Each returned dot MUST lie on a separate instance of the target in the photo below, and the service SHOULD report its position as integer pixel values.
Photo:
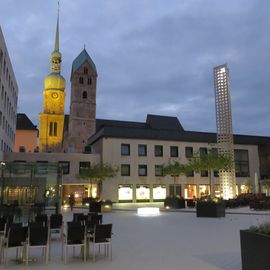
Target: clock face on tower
(54, 95)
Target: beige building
(139, 150)
(8, 100)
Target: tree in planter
(175, 170)
(210, 161)
(97, 173)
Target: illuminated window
(159, 192)
(143, 193)
(190, 191)
(125, 193)
(204, 190)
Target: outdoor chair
(42, 218)
(79, 217)
(96, 218)
(56, 226)
(16, 238)
(56, 223)
(38, 237)
(102, 236)
(75, 237)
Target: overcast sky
(152, 56)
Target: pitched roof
(80, 59)
(24, 123)
(157, 129)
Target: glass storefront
(142, 193)
(190, 191)
(204, 190)
(159, 192)
(125, 193)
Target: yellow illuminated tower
(52, 118)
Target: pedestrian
(71, 200)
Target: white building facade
(8, 100)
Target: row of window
(241, 156)
(142, 171)
(6, 127)
(142, 150)
(5, 147)
(8, 108)
(6, 75)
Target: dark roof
(24, 123)
(80, 59)
(167, 132)
(163, 122)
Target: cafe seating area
(84, 232)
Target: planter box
(254, 250)
(106, 206)
(174, 203)
(210, 209)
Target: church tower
(82, 118)
(52, 118)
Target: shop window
(65, 166)
(125, 170)
(204, 190)
(158, 150)
(142, 150)
(178, 190)
(174, 151)
(159, 192)
(125, 149)
(125, 193)
(142, 170)
(189, 152)
(158, 170)
(143, 193)
(190, 191)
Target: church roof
(80, 59)
(24, 123)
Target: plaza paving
(173, 240)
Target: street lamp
(2, 168)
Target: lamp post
(2, 168)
